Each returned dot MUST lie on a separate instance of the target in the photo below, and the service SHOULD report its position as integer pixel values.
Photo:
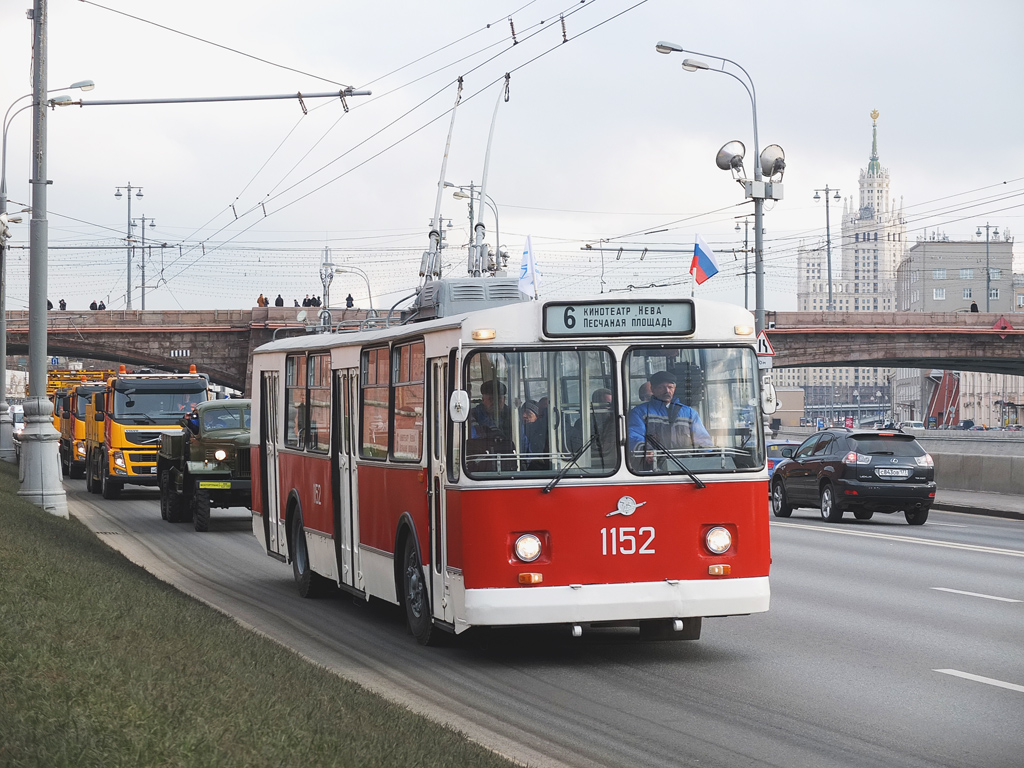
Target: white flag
(529, 275)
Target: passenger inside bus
(664, 423)
(533, 436)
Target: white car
(911, 425)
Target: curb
(968, 509)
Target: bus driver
(664, 423)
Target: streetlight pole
(117, 194)
(134, 222)
(831, 307)
(461, 194)
(746, 261)
(41, 481)
(856, 396)
(758, 190)
(988, 270)
(362, 274)
(7, 452)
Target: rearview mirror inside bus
(458, 406)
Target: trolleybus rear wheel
(310, 584)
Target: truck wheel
(88, 473)
(201, 510)
(414, 595)
(75, 473)
(95, 471)
(110, 488)
(310, 584)
(65, 463)
(170, 502)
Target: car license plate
(890, 472)
(212, 484)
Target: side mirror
(787, 453)
(98, 416)
(65, 414)
(769, 402)
(458, 406)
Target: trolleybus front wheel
(414, 595)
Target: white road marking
(907, 539)
(951, 525)
(980, 679)
(977, 594)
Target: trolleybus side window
(319, 371)
(536, 413)
(409, 388)
(374, 382)
(295, 401)
(702, 414)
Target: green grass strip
(101, 664)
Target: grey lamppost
(6, 426)
(988, 270)
(474, 196)
(730, 157)
(831, 307)
(41, 481)
(362, 274)
(135, 222)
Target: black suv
(864, 471)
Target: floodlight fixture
(730, 158)
(773, 161)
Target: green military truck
(206, 463)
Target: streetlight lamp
(7, 452)
(129, 240)
(362, 274)
(474, 195)
(831, 307)
(988, 271)
(730, 158)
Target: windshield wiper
(575, 457)
(651, 439)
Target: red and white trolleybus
(503, 465)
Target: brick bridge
(220, 342)
(956, 341)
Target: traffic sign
(764, 347)
(764, 363)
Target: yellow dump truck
(69, 409)
(124, 423)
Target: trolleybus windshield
(692, 408)
(533, 411)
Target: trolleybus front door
(440, 599)
(270, 430)
(346, 514)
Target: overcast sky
(601, 137)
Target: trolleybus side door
(441, 603)
(270, 435)
(346, 513)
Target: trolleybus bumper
(616, 602)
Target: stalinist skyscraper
(871, 245)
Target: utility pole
(988, 270)
(828, 242)
(117, 194)
(134, 222)
(746, 260)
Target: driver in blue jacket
(664, 423)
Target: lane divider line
(907, 539)
(977, 594)
(980, 679)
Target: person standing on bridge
(62, 304)
(279, 302)
(93, 305)
(101, 305)
(974, 306)
(261, 301)
(349, 302)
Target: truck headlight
(119, 459)
(80, 448)
(220, 454)
(718, 540)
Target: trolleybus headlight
(527, 547)
(220, 454)
(718, 540)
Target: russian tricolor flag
(705, 264)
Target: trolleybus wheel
(310, 584)
(780, 504)
(662, 629)
(830, 510)
(414, 595)
(201, 510)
